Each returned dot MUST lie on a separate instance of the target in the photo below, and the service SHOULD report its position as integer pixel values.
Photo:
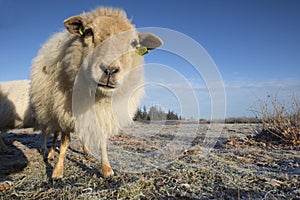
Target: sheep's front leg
(106, 169)
(59, 167)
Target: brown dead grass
(280, 119)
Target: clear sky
(254, 43)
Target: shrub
(281, 120)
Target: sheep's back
(15, 111)
(50, 93)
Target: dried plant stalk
(281, 120)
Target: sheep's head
(111, 48)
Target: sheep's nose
(109, 71)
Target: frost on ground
(156, 161)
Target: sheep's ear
(75, 25)
(150, 40)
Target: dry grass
(281, 120)
(237, 169)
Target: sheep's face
(111, 49)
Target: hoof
(57, 174)
(85, 150)
(51, 155)
(107, 171)
(56, 177)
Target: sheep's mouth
(107, 86)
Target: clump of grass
(280, 119)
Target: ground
(156, 161)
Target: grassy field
(155, 161)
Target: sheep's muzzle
(107, 86)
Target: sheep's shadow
(20, 144)
(13, 160)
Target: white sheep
(15, 110)
(98, 58)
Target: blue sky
(255, 44)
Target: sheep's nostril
(115, 70)
(111, 70)
(106, 71)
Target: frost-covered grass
(237, 168)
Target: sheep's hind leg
(59, 167)
(106, 169)
(85, 150)
(53, 146)
(44, 144)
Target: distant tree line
(155, 113)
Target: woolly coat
(54, 72)
(15, 110)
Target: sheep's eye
(134, 43)
(88, 32)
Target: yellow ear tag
(81, 30)
(141, 50)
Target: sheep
(14, 104)
(104, 46)
(7, 112)
(15, 111)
